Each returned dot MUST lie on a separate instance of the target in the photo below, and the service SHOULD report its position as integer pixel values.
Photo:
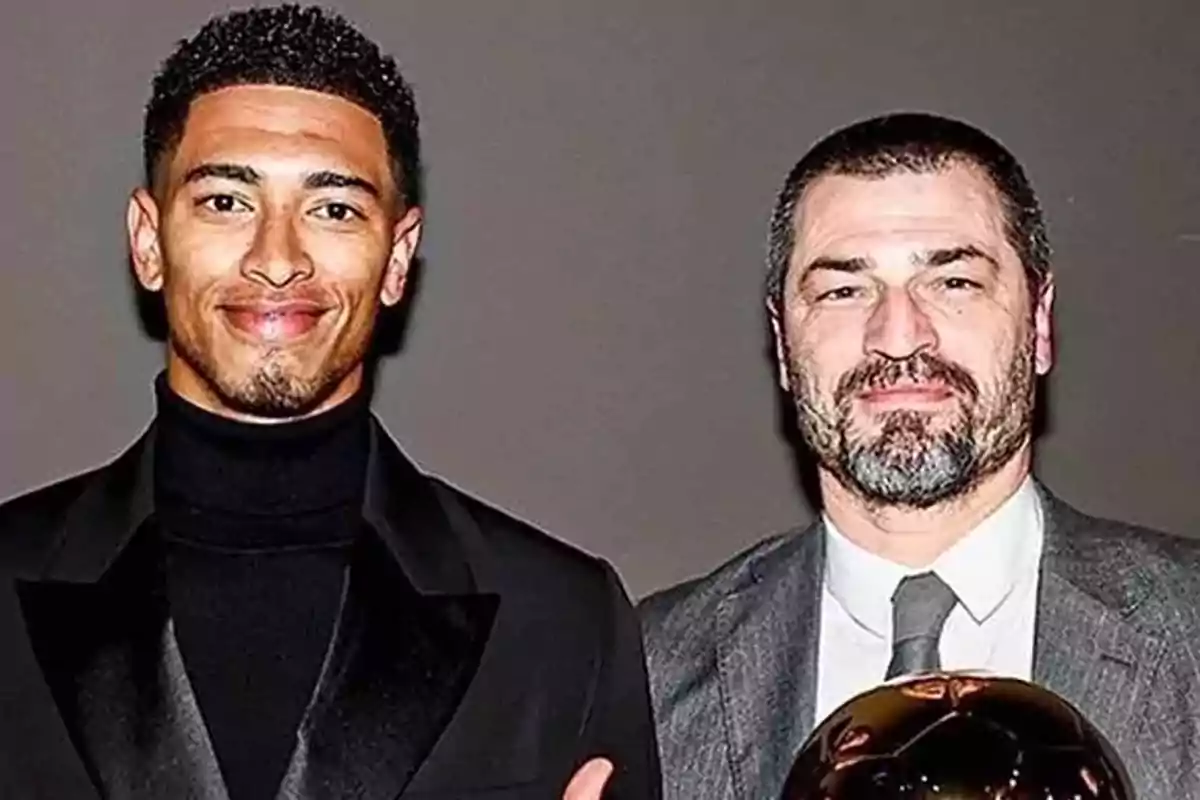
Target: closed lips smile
(274, 322)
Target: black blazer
(473, 657)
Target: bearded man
(910, 293)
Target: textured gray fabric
(920, 606)
(733, 656)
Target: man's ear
(1043, 327)
(142, 221)
(406, 236)
(773, 315)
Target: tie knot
(920, 607)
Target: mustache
(919, 368)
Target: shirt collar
(982, 568)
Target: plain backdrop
(588, 347)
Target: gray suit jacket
(733, 656)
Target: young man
(263, 597)
(910, 293)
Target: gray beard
(906, 464)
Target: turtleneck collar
(234, 483)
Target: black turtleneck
(257, 521)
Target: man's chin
(908, 422)
(256, 354)
(906, 477)
(902, 439)
(270, 385)
(276, 400)
(900, 446)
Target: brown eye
(338, 212)
(840, 293)
(221, 203)
(961, 284)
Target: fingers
(588, 782)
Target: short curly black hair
(912, 142)
(287, 45)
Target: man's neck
(232, 484)
(916, 537)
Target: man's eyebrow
(328, 179)
(232, 172)
(942, 256)
(837, 264)
(242, 173)
(938, 257)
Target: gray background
(588, 346)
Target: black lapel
(110, 510)
(408, 643)
(104, 647)
(37, 755)
(108, 654)
(401, 506)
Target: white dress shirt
(994, 572)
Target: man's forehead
(282, 112)
(958, 202)
(263, 126)
(285, 109)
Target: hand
(588, 782)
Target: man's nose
(277, 257)
(898, 327)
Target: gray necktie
(919, 610)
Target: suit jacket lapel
(1086, 648)
(109, 656)
(398, 667)
(409, 639)
(768, 633)
(98, 627)
(40, 752)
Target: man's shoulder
(30, 522)
(1173, 559)
(521, 554)
(1156, 549)
(686, 611)
(1157, 572)
(517, 553)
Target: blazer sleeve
(620, 724)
